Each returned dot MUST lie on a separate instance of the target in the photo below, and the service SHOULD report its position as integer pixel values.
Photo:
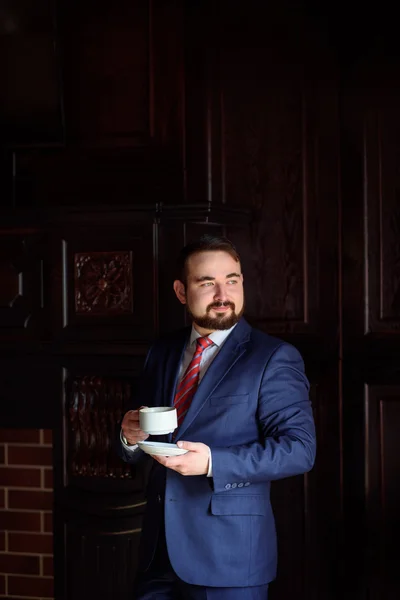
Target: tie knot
(203, 343)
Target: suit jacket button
(234, 485)
(228, 486)
(241, 484)
(247, 483)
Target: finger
(192, 446)
(132, 418)
(174, 462)
(133, 423)
(135, 431)
(135, 436)
(136, 439)
(131, 413)
(170, 462)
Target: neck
(203, 331)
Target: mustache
(219, 304)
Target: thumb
(193, 446)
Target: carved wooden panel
(382, 467)
(103, 283)
(108, 284)
(382, 217)
(100, 497)
(21, 290)
(94, 407)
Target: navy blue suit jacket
(252, 409)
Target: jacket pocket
(238, 504)
(224, 400)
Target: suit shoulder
(270, 344)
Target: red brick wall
(26, 498)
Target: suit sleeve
(287, 442)
(140, 397)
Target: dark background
(128, 128)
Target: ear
(180, 291)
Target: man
(245, 418)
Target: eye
(206, 284)
(232, 281)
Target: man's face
(214, 290)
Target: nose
(220, 294)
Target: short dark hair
(206, 243)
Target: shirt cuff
(130, 447)
(209, 474)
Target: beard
(219, 323)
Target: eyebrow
(208, 278)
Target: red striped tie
(190, 380)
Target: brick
(47, 436)
(19, 521)
(35, 543)
(30, 500)
(30, 586)
(30, 455)
(16, 477)
(48, 566)
(2, 453)
(24, 436)
(48, 522)
(48, 479)
(2, 584)
(2, 541)
(2, 498)
(20, 564)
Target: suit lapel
(234, 347)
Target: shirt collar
(217, 337)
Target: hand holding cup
(131, 427)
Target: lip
(221, 308)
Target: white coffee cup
(158, 420)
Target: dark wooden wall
(126, 129)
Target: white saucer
(161, 448)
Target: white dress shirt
(218, 338)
